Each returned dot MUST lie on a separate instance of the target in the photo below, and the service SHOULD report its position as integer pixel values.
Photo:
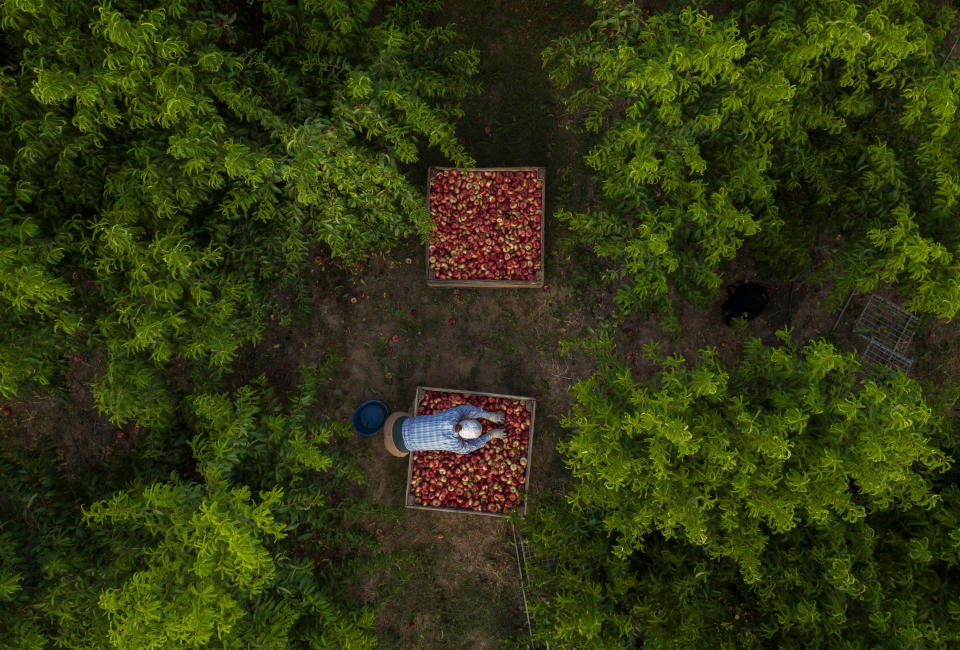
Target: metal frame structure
(888, 323)
(876, 355)
(888, 329)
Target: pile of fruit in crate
(486, 224)
(491, 479)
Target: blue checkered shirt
(435, 432)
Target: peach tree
(259, 544)
(787, 500)
(166, 167)
(795, 128)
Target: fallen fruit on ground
(491, 479)
(486, 225)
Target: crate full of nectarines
(488, 227)
(490, 481)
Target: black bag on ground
(745, 301)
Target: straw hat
(388, 434)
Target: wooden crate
(531, 405)
(537, 282)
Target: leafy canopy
(787, 486)
(261, 546)
(166, 167)
(778, 125)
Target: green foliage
(42, 545)
(168, 167)
(900, 251)
(208, 556)
(774, 125)
(785, 500)
(887, 581)
(260, 546)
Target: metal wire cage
(888, 329)
(876, 357)
(889, 324)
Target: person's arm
(467, 446)
(468, 411)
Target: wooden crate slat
(499, 515)
(532, 407)
(529, 402)
(486, 284)
(466, 392)
(418, 397)
(537, 282)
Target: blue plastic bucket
(369, 417)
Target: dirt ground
(66, 415)
(504, 341)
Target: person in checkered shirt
(455, 429)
